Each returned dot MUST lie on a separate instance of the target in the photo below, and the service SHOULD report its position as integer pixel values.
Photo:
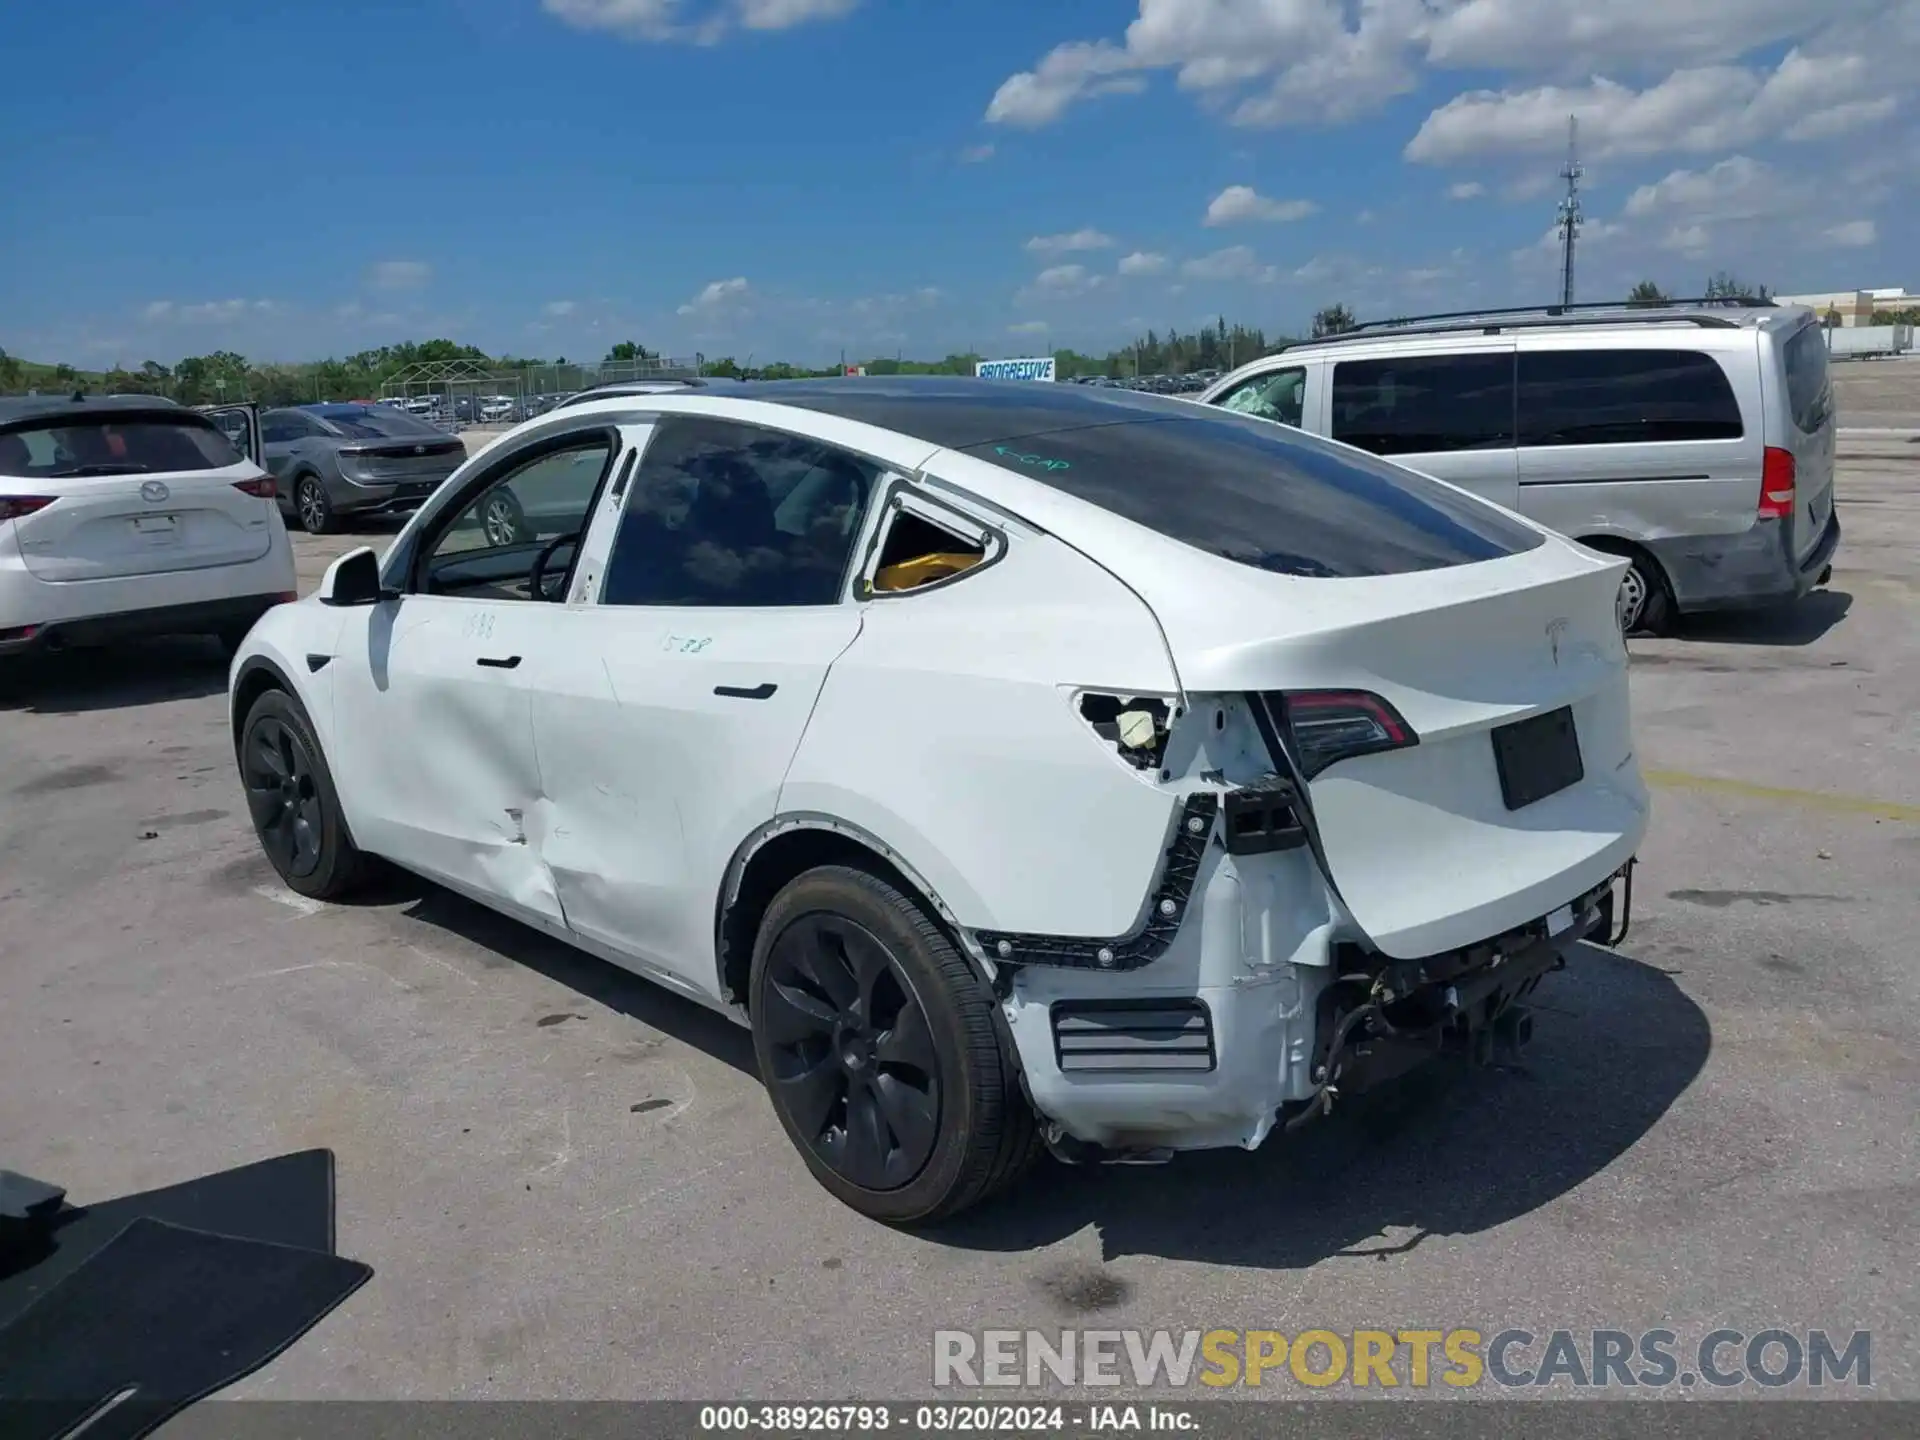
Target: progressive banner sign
(1039, 367)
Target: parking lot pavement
(570, 1184)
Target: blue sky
(790, 178)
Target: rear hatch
(1447, 679)
(133, 494)
(1809, 431)
(398, 462)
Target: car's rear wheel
(291, 797)
(314, 506)
(1643, 605)
(504, 520)
(876, 1041)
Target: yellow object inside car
(923, 570)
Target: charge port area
(1260, 819)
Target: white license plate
(1560, 920)
(154, 524)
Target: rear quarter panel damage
(948, 731)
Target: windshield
(378, 422)
(1267, 496)
(72, 448)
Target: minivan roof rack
(1701, 312)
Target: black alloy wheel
(283, 796)
(315, 508)
(853, 1058)
(883, 1051)
(290, 795)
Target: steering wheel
(537, 577)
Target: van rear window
(68, 448)
(1624, 397)
(1808, 394)
(1267, 496)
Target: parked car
(1014, 796)
(131, 516)
(1694, 441)
(339, 460)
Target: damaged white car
(1028, 765)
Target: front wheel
(313, 504)
(295, 808)
(876, 1041)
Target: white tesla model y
(1028, 765)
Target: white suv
(123, 516)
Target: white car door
(433, 724)
(673, 697)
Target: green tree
(10, 371)
(1334, 320)
(724, 368)
(1723, 286)
(628, 350)
(1647, 293)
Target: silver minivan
(1695, 441)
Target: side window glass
(1276, 395)
(516, 539)
(1421, 404)
(280, 429)
(724, 514)
(1625, 397)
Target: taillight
(1776, 485)
(1328, 726)
(263, 488)
(12, 507)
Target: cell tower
(1570, 209)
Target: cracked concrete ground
(569, 1183)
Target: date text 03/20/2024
(961, 1418)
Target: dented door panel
(663, 736)
(435, 742)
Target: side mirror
(353, 579)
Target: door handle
(763, 691)
(498, 662)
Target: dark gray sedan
(338, 460)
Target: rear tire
(1644, 604)
(876, 1040)
(314, 506)
(291, 798)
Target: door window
(724, 514)
(1624, 397)
(283, 427)
(1424, 404)
(1276, 395)
(515, 540)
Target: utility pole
(1570, 209)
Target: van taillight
(1333, 725)
(263, 488)
(1776, 485)
(12, 507)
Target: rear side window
(1808, 394)
(1424, 404)
(1624, 397)
(1267, 496)
(60, 450)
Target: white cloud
(1070, 242)
(1466, 190)
(399, 274)
(976, 154)
(716, 296)
(1738, 189)
(1062, 277)
(1853, 234)
(205, 311)
(1142, 262)
(664, 20)
(558, 308)
(1239, 203)
(1029, 327)
(1645, 76)
(1236, 262)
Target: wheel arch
(1627, 548)
(785, 848)
(256, 675)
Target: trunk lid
(1420, 842)
(382, 462)
(109, 527)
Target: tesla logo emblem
(1556, 629)
(419, 449)
(154, 491)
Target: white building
(1854, 307)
